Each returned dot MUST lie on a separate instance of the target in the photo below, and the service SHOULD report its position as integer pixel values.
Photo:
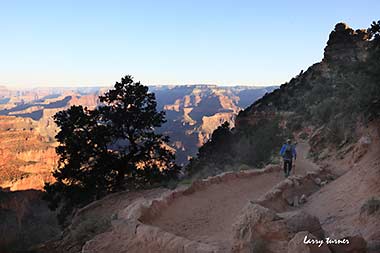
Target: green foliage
(243, 167)
(111, 148)
(256, 144)
(304, 136)
(294, 122)
(252, 146)
(259, 246)
(371, 206)
(336, 132)
(216, 151)
(350, 92)
(186, 181)
(329, 96)
(375, 31)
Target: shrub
(259, 246)
(371, 206)
(110, 148)
(304, 135)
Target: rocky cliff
(343, 67)
(329, 101)
(27, 128)
(193, 112)
(27, 145)
(334, 107)
(251, 210)
(27, 158)
(332, 193)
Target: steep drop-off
(27, 128)
(329, 100)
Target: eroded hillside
(27, 128)
(27, 145)
(334, 96)
(193, 112)
(332, 193)
(331, 110)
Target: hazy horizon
(111, 85)
(95, 43)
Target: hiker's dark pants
(287, 166)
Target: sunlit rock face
(27, 157)
(347, 45)
(27, 129)
(345, 48)
(193, 112)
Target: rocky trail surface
(246, 211)
(208, 215)
(204, 217)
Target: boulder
(303, 221)
(288, 193)
(346, 45)
(257, 225)
(361, 148)
(317, 181)
(295, 201)
(303, 199)
(356, 244)
(365, 140)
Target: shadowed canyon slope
(27, 129)
(333, 191)
(332, 110)
(27, 145)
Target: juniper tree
(110, 148)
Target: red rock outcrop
(27, 158)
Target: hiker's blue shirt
(282, 151)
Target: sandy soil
(208, 213)
(338, 204)
(207, 216)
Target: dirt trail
(338, 204)
(207, 215)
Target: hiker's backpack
(288, 152)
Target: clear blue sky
(68, 43)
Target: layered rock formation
(195, 111)
(347, 45)
(27, 128)
(345, 48)
(257, 210)
(269, 222)
(27, 158)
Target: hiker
(288, 152)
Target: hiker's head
(289, 141)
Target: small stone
(365, 140)
(323, 183)
(303, 199)
(295, 201)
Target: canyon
(249, 205)
(27, 129)
(333, 192)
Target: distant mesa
(27, 128)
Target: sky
(235, 42)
